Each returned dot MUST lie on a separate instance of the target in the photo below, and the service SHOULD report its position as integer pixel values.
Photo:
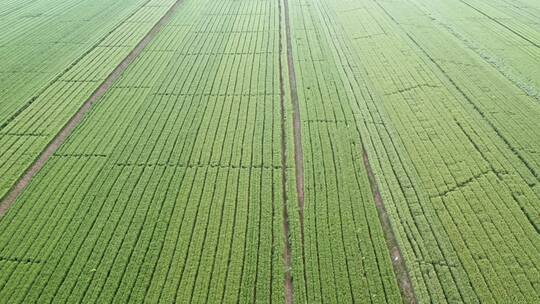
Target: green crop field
(270, 151)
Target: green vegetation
(48, 74)
(167, 191)
(245, 133)
(452, 144)
(342, 233)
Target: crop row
(451, 145)
(26, 133)
(41, 39)
(345, 255)
(170, 189)
(505, 36)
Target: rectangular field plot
(270, 151)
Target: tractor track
(398, 263)
(297, 129)
(287, 253)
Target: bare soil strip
(297, 123)
(19, 187)
(287, 253)
(297, 131)
(400, 269)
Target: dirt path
(64, 133)
(297, 125)
(400, 269)
(287, 254)
(297, 131)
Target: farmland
(270, 151)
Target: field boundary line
(398, 263)
(287, 253)
(297, 122)
(297, 133)
(11, 196)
